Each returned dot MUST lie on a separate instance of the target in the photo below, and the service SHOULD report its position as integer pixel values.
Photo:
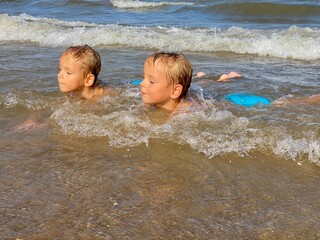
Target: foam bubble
(10, 100)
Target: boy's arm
(314, 99)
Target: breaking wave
(294, 42)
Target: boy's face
(155, 89)
(70, 76)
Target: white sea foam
(140, 4)
(295, 42)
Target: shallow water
(58, 191)
(72, 169)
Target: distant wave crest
(140, 4)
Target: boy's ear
(176, 91)
(89, 80)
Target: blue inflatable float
(136, 82)
(247, 99)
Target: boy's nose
(142, 83)
(59, 75)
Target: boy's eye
(151, 81)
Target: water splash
(209, 131)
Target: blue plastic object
(136, 82)
(247, 99)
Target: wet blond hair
(177, 67)
(90, 59)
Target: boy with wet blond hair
(167, 78)
(79, 70)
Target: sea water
(115, 169)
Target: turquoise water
(70, 169)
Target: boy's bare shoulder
(186, 105)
